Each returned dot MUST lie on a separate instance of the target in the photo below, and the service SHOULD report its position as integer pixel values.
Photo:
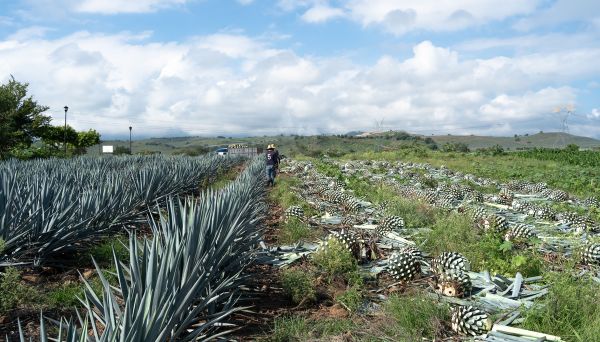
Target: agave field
(353, 250)
(482, 253)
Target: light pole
(65, 136)
(130, 140)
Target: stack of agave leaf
(54, 205)
(183, 283)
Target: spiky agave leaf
(54, 205)
(183, 282)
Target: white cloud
(321, 13)
(231, 83)
(401, 16)
(125, 6)
(561, 11)
(594, 114)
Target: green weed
(296, 328)
(417, 316)
(299, 285)
(65, 295)
(103, 253)
(293, 231)
(14, 293)
(352, 298)
(335, 261)
(455, 233)
(570, 310)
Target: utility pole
(65, 136)
(130, 140)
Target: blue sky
(243, 67)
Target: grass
(2, 245)
(293, 231)
(416, 316)
(103, 252)
(224, 178)
(65, 295)
(351, 299)
(335, 261)
(582, 181)
(299, 285)
(414, 213)
(570, 310)
(485, 251)
(13, 292)
(297, 328)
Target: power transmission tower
(379, 125)
(565, 112)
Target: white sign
(107, 149)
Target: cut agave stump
(453, 283)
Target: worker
(272, 164)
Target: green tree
(21, 117)
(25, 132)
(572, 148)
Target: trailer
(245, 151)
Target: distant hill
(339, 145)
(549, 140)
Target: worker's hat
(271, 147)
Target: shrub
(455, 147)
(351, 298)
(298, 285)
(335, 261)
(13, 292)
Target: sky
(268, 67)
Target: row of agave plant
(182, 283)
(52, 206)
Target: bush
(352, 298)
(2, 245)
(455, 147)
(298, 285)
(13, 292)
(495, 150)
(336, 261)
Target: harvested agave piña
(470, 321)
(403, 266)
